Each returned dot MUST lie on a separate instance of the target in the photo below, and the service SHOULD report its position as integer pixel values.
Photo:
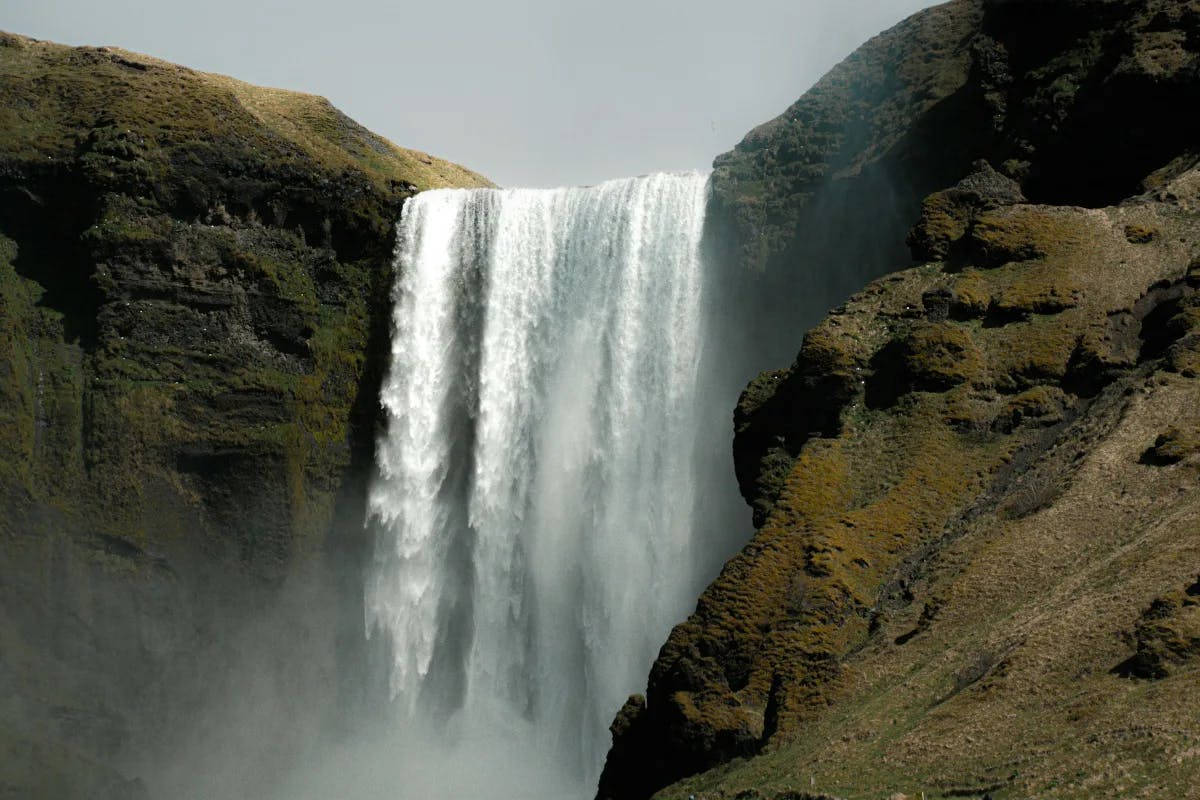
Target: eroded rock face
(194, 279)
(928, 408)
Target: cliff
(194, 276)
(976, 558)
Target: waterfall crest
(539, 485)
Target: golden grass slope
(50, 92)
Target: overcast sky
(528, 92)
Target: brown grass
(51, 92)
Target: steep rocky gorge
(194, 282)
(975, 488)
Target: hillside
(975, 490)
(194, 281)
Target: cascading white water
(536, 499)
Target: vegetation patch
(1172, 446)
(1140, 234)
(1022, 233)
(1167, 638)
(940, 356)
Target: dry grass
(314, 123)
(1010, 689)
(52, 92)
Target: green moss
(1036, 288)
(1167, 637)
(1031, 352)
(285, 278)
(942, 355)
(831, 349)
(18, 370)
(971, 295)
(1174, 445)
(1186, 320)
(849, 508)
(1023, 233)
(1184, 357)
(1041, 404)
(943, 222)
(761, 389)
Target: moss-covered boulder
(940, 356)
(1167, 636)
(947, 216)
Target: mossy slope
(899, 621)
(1011, 393)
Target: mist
(392, 763)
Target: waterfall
(540, 487)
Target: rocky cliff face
(193, 284)
(975, 488)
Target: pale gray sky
(528, 92)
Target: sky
(527, 92)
